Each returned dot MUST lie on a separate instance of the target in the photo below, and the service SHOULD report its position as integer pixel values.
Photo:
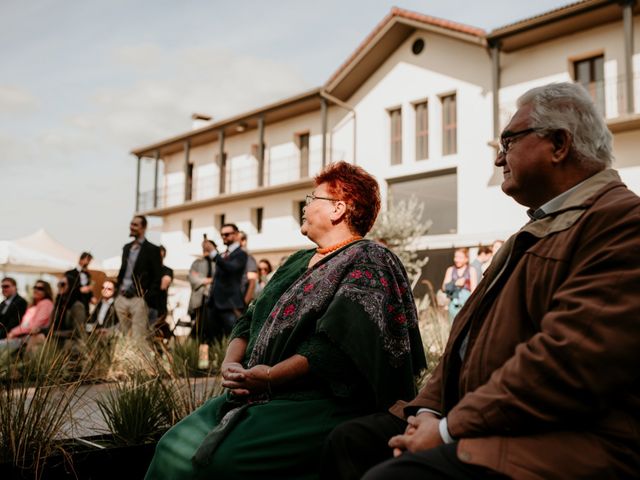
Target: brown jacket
(549, 385)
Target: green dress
(353, 317)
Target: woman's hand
(243, 381)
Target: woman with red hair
(334, 335)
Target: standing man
(250, 277)
(226, 302)
(139, 281)
(12, 307)
(540, 376)
(482, 260)
(200, 278)
(79, 280)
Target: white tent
(18, 259)
(36, 253)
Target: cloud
(174, 84)
(16, 100)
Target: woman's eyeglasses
(310, 198)
(39, 287)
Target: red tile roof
(409, 15)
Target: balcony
(241, 177)
(610, 97)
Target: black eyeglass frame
(310, 198)
(507, 137)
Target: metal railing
(610, 96)
(241, 176)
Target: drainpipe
(323, 120)
(346, 106)
(495, 83)
(627, 19)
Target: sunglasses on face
(6, 286)
(38, 287)
(227, 234)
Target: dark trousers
(219, 323)
(360, 446)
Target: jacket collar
(574, 205)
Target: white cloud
(177, 83)
(16, 100)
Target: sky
(83, 82)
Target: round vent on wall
(417, 46)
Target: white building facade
(419, 105)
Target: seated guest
(104, 316)
(69, 312)
(12, 308)
(36, 317)
(540, 378)
(333, 335)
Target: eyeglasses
(507, 138)
(38, 287)
(110, 289)
(310, 198)
(62, 284)
(227, 234)
(6, 286)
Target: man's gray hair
(568, 106)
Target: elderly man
(540, 377)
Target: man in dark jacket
(80, 281)
(12, 307)
(226, 302)
(139, 281)
(540, 378)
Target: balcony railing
(241, 176)
(609, 95)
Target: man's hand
(421, 434)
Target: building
(419, 104)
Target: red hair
(358, 189)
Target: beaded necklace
(333, 248)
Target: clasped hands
(422, 433)
(242, 381)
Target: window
(256, 219)
(188, 187)
(449, 125)
(422, 131)
(186, 229)
(439, 195)
(590, 74)
(219, 220)
(300, 210)
(303, 147)
(396, 135)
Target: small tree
(398, 227)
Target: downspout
(627, 19)
(495, 84)
(346, 106)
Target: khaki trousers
(133, 315)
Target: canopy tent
(42, 242)
(36, 253)
(16, 258)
